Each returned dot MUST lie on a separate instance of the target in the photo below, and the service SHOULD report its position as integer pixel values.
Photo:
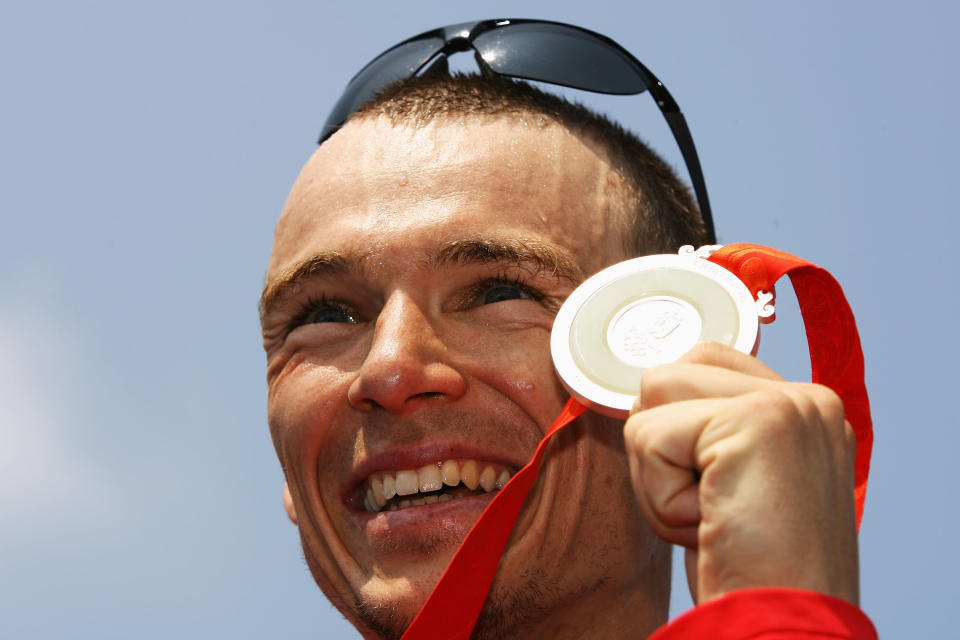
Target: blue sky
(147, 150)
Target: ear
(288, 504)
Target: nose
(408, 364)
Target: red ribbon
(836, 361)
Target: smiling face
(413, 282)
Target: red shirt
(771, 614)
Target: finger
(682, 535)
(675, 431)
(667, 435)
(661, 446)
(672, 492)
(690, 381)
(720, 355)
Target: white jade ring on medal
(644, 312)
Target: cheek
(301, 402)
(518, 366)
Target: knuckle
(774, 402)
(830, 404)
(820, 401)
(635, 436)
(773, 411)
(804, 399)
(706, 353)
(654, 384)
(816, 408)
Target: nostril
(407, 361)
(366, 404)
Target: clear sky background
(146, 150)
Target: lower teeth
(444, 495)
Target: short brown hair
(663, 213)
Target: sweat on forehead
(380, 172)
(659, 206)
(471, 100)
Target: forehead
(376, 188)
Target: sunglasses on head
(537, 50)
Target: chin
(379, 610)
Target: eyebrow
(331, 263)
(540, 256)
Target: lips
(392, 490)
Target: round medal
(641, 313)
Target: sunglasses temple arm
(678, 125)
(681, 133)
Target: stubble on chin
(515, 611)
(372, 619)
(380, 620)
(510, 611)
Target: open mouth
(438, 482)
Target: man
(416, 270)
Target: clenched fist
(749, 472)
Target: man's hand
(752, 474)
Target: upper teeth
(383, 486)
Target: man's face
(413, 283)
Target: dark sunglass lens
(398, 63)
(559, 55)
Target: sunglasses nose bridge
(459, 39)
(458, 44)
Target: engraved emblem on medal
(644, 312)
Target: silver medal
(644, 312)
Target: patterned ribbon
(836, 359)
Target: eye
(323, 310)
(503, 288)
